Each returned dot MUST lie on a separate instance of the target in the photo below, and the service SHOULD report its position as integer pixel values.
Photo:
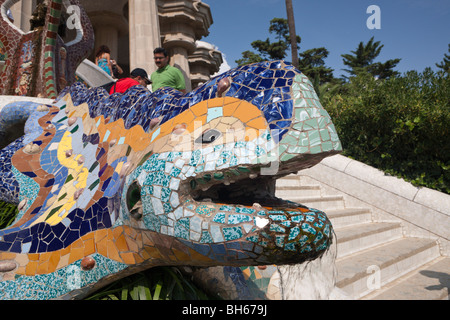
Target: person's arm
(119, 69)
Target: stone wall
(423, 212)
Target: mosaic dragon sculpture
(38, 62)
(110, 185)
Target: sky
(415, 31)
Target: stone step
(289, 181)
(356, 238)
(361, 273)
(323, 203)
(349, 216)
(287, 192)
(430, 282)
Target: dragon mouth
(241, 187)
(246, 186)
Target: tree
(268, 50)
(362, 59)
(313, 65)
(249, 57)
(292, 32)
(445, 64)
(311, 62)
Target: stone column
(22, 12)
(144, 34)
(107, 35)
(204, 62)
(179, 59)
(182, 22)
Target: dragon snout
(256, 236)
(291, 236)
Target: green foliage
(362, 60)
(399, 125)
(8, 213)
(268, 49)
(445, 64)
(249, 57)
(312, 63)
(161, 283)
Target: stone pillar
(144, 34)
(182, 22)
(22, 12)
(110, 22)
(204, 62)
(179, 59)
(107, 35)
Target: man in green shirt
(166, 75)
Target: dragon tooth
(256, 205)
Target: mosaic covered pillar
(144, 34)
(39, 63)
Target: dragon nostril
(134, 202)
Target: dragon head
(147, 179)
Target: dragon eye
(209, 136)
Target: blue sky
(417, 31)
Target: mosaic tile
(193, 190)
(32, 69)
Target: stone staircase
(375, 259)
